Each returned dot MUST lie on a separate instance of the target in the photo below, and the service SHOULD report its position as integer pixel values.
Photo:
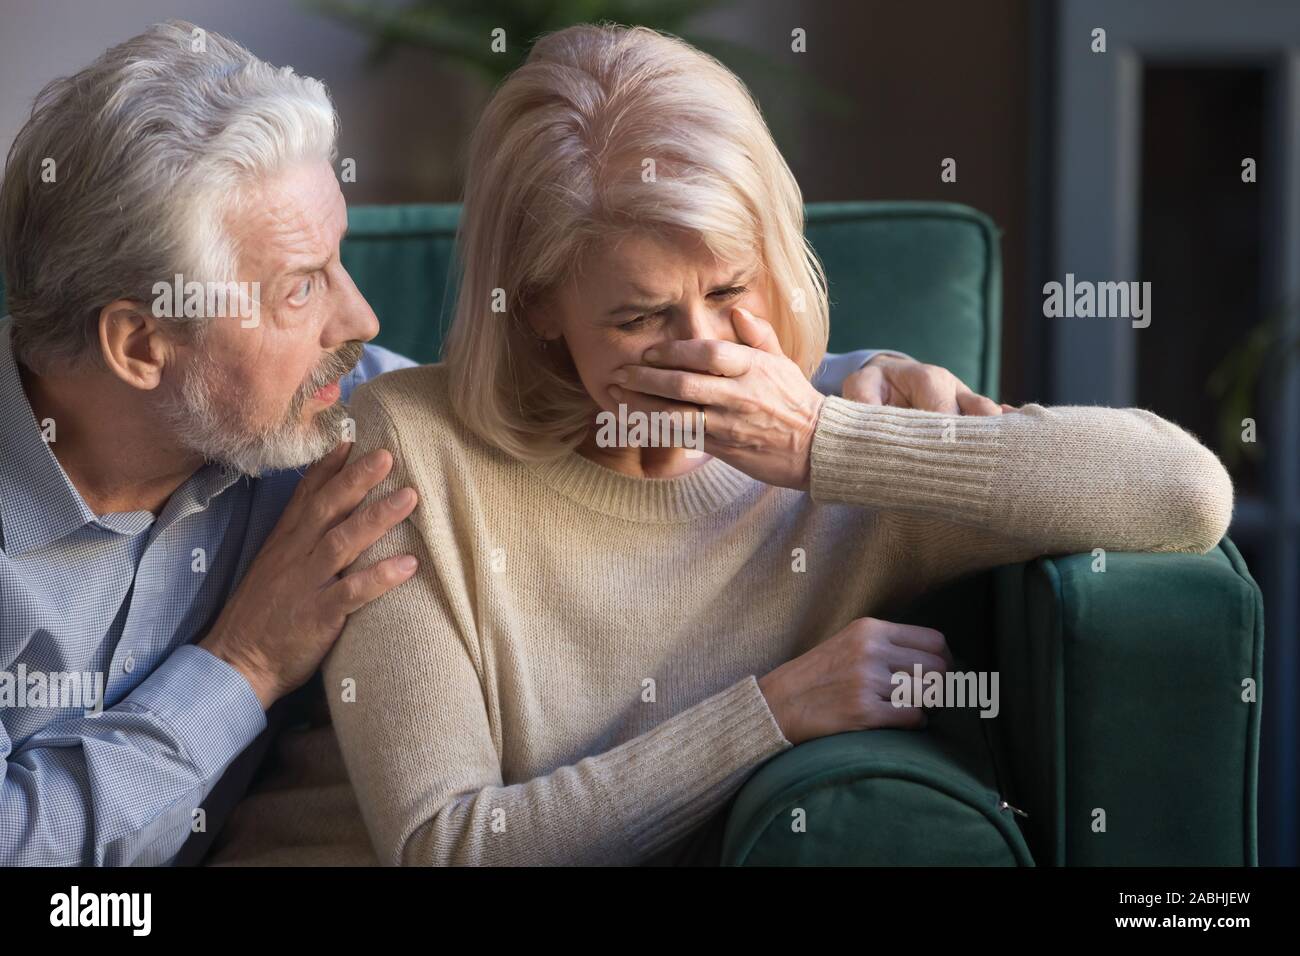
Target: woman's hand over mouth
(760, 411)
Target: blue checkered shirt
(124, 596)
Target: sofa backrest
(921, 277)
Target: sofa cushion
(921, 277)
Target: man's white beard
(206, 419)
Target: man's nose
(353, 319)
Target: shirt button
(128, 665)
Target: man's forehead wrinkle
(289, 235)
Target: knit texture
(571, 676)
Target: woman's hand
(760, 410)
(846, 683)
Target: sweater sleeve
(976, 491)
(423, 748)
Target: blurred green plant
(460, 31)
(1247, 376)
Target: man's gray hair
(128, 172)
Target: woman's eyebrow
(655, 300)
(653, 305)
(736, 276)
(632, 307)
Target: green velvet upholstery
(401, 259)
(1120, 690)
(879, 797)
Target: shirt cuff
(207, 703)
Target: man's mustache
(334, 366)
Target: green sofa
(1121, 692)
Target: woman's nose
(705, 321)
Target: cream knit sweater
(571, 676)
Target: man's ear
(132, 344)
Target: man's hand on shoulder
(292, 604)
(906, 383)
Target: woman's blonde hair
(606, 130)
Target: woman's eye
(735, 292)
(640, 320)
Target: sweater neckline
(701, 491)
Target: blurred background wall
(920, 81)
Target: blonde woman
(602, 643)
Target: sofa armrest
(877, 798)
(1122, 706)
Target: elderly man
(154, 532)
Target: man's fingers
(755, 332)
(344, 542)
(359, 588)
(866, 387)
(344, 491)
(931, 396)
(702, 355)
(315, 477)
(972, 404)
(921, 387)
(326, 467)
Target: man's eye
(302, 291)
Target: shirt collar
(38, 502)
